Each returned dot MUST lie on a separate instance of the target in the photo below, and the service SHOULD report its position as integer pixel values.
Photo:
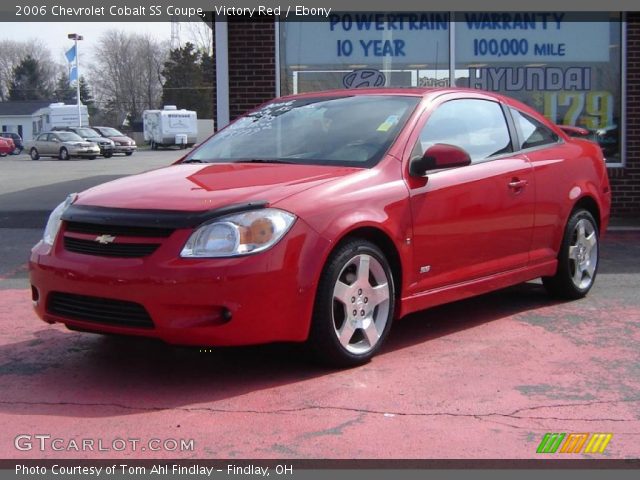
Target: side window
(42, 137)
(532, 133)
(477, 126)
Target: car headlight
(55, 220)
(239, 234)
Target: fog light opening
(35, 295)
(226, 314)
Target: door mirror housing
(437, 157)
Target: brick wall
(625, 182)
(252, 63)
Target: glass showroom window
(567, 68)
(355, 50)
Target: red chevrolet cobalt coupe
(323, 217)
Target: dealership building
(576, 69)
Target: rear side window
(532, 133)
(477, 126)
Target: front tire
(354, 305)
(578, 258)
(64, 154)
(108, 154)
(128, 154)
(33, 153)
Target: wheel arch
(384, 242)
(588, 203)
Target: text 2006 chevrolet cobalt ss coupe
(323, 217)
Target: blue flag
(71, 54)
(73, 75)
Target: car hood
(197, 187)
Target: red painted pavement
(483, 378)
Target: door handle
(517, 184)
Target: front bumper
(106, 149)
(124, 148)
(83, 151)
(270, 295)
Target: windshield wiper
(193, 160)
(261, 160)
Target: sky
(54, 35)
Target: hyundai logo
(364, 78)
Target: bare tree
(200, 33)
(126, 74)
(14, 52)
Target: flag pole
(75, 37)
(78, 83)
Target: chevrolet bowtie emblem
(105, 239)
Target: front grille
(92, 228)
(99, 310)
(122, 250)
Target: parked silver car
(62, 145)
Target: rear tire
(578, 258)
(33, 153)
(64, 154)
(354, 305)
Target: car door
(52, 144)
(547, 153)
(41, 143)
(473, 221)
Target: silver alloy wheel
(583, 254)
(361, 304)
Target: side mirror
(439, 156)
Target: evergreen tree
(184, 86)
(29, 81)
(86, 97)
(64, 91)
(207, 65)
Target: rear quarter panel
(565, 174)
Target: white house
(28, 118)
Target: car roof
(404, 91)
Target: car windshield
(69, 137)
(351, 130)
(111, 132)
(86, 132)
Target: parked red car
(6, 146)
(324, 217)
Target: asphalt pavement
(482, 378)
